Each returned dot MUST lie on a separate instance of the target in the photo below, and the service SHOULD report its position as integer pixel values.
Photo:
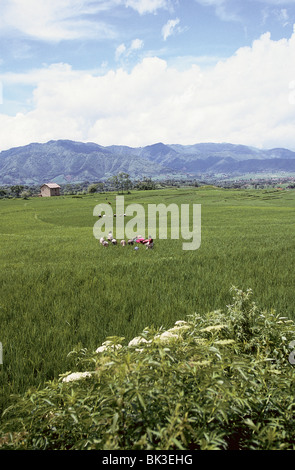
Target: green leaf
(74, 418)
(141, 401)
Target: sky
(138, 72)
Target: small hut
(50, 189)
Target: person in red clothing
(149, 242)
(145, 241)
(139, 239)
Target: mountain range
(66, 161)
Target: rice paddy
(61, 290)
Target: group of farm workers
(148, 242)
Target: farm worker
(150, 243)
(139, 240)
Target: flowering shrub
(76, 376)
(218, 381)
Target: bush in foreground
(221, 381)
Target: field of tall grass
(61, 290)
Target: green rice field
(61, 290)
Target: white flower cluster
(76, 376)
(173, 333)
(108, 345)
(137, 340)
(166, 336)
(213, 328)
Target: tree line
(120, 182)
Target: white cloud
(283, 16)
(222, 9)
(147, 6)
(277, 2)
(243, 99)
(169, 28)
(55, 20)
(228, 10)
(122, 52)
(136, 44)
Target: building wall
(47, 192)
(54, 191)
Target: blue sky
(136, 72)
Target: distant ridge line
(68, 161)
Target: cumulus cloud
(244, 99)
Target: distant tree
(121, 182)
(145, 184)
(17, 189)
(92, 188)
(125, 182)
(68, 189)
(95, 188)
(100, 187)
(114, 182)
(26, 193)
